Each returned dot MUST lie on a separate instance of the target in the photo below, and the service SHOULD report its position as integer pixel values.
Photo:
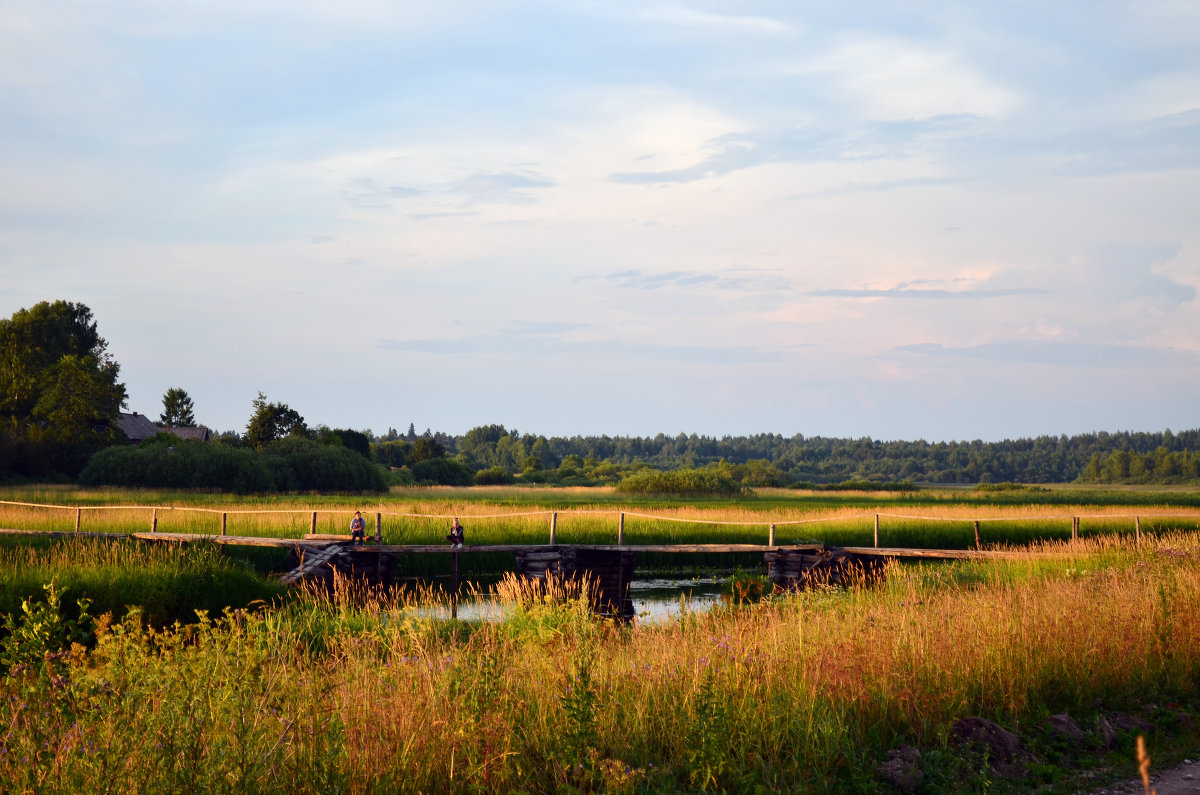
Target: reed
(802, 692)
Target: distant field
(506, 514)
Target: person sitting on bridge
(455, 536)
(357, 528)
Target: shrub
(292, 464)
(317, 467)
(443, 472)
(493, 476)
(680, 481)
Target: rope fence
(620, 516)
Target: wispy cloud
(542, 345)
(508, 187)
(930, 293)
(724, 23)
(731, 279)
(878, 187)
(749, 149)
(1063, 353)
(366, 193)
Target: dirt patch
(1176, 781)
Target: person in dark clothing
(455, 536)
(357, 527)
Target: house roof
(200, 434)
(137, 427)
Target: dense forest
(818, 459)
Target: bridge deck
(433, 549)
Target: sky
(925, 220)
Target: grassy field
(804, 692)
(928, 518)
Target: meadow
(188, 670)
(941, 518)
(800, 692)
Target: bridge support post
(224, 519)
(877, 531)
(771, 537)
(553, 526)
(621, 530)
(611, 569)
(454, 585)
(379, 528)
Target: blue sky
(919, 220)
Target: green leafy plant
(41, 630)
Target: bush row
(680, 481)
(292, 464)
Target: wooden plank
(60, 533)
(566, 549)
(939, 554)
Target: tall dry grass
(805, 692)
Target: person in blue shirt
(358, 528)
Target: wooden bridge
(612, 567)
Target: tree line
(774, 459)
(60, 399)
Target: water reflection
(654, 600)
(665, 599)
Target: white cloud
(688, 17)
(894, 79)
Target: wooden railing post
(877, 531)
(621, 530)
(314, 523)
(154, 521)
(978, 545)
(771, 537)
(1074, 528)
(78, 518)
(224, 521)
(553, 526)
(378, 531)
(1137, 530)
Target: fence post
(978, 545)
(1074, 528)
(621, 530)
(378, 534)
(154, 521)
(1137, 529)
(224, 520)
(771, 539)
(877, 531)
(314, 523)
(553, 526)
(78, 518)
(454, 585)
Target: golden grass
(798, 693)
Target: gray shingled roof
(137, 427)
(200, 434)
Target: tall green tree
(271, 421)
(177, 409)
(59, 394)
(33, 340)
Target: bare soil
(1180, 780)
